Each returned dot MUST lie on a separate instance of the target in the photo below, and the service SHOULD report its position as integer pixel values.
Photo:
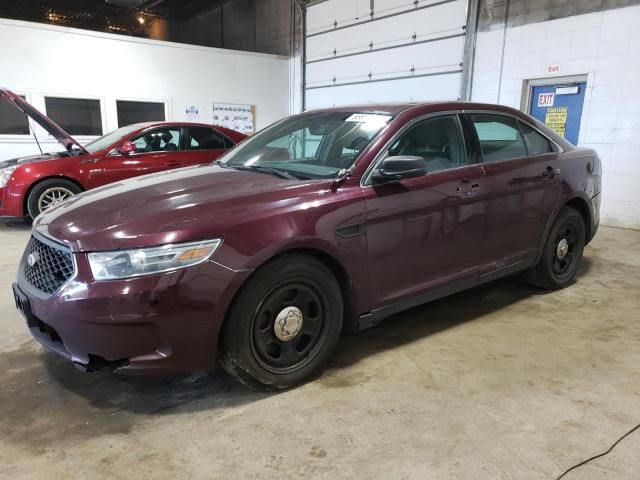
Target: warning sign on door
(556, 119)
(545, 99)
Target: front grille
(46, 268)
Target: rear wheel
(562, 252)
(284, 324)
(48, 193)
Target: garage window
(78, 116)
(130, 112)
(12, 121)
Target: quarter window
(78, 116)
(201, 138)
(158, 140)
(499, 136)
(130, 112)
(537, 144)
(437, 140)
(12, 121)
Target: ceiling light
(141, 20)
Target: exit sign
(553, 68)
(545, 99)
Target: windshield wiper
(261, 168)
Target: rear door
(157, 149)
(524, 187)
(426, 232)
(204, 145)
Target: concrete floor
(501, 382)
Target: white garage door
(362, 51)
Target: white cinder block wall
(39, 60)
(605, 46)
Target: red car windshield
(110, 138)
(316, 145)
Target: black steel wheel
(289, 326)
(562, 251)
(283, 324)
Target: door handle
(551, 172)
(467, 187)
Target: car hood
(45, 122)
(32, 159)
(188, 204)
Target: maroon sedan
(324, 222)
(30, 185)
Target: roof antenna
(33, 132)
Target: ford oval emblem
(32, 259)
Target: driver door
(157, 149)
(426, 232)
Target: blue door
(559, 107)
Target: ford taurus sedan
(325, 222)
(30, 185)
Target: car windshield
(309, 146)
(110, 138)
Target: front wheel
(284, 324)
(562, 252)
(48, 193)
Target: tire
(562, 252)
(52, 187)
(266, 356)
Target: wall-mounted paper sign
(556, 119)
(193, 113)
(240, 118)
(545, 99)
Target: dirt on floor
(499, 382)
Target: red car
(30, 185)
(327, 221)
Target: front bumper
(11, 204)
(158, 324)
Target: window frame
(472, 157)
(181, 147)
(164, 100)
(80, 138)
(20, 138)
(557, 148)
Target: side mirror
(394, 169)
(127, 148)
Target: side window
(78, 116)
(158, 140)
(12, 121)
(499, 137)
(202, 138)
(537, 144)
(437, 140)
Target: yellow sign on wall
(556, 119)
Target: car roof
(232, 135)
(395, 108)
(142, 125)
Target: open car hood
(45, 122)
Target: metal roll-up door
(362, 51)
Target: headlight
(145, 261)
(5, 175)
